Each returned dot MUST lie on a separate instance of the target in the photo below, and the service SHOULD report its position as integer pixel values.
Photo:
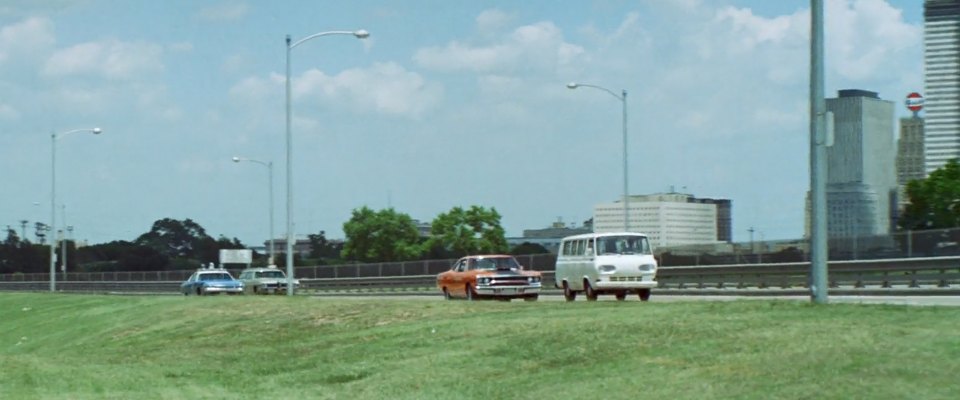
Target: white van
(595, 263)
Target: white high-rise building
(861, 171)
(668, 219)
(941, 55)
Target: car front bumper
(217, 290)
(508, 291)
(613, 282)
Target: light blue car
(211, 281)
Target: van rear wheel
(589, 291)
(568, 294)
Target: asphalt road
(895, 300)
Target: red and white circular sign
(914, 102)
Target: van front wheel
(588, 290)
(568, 294)
(644, 294)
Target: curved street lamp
(53, 199)
(626, 191)
(269, 165)
(359, 34)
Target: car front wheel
(471, 296)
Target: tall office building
(861, 172)
(910, 162)
(669, 219)
(941, 53)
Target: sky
(447, 103)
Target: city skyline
(446, 104)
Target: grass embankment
(96, 347)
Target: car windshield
(497, 263)
(270, 274)
(623, 245)
(222, 276)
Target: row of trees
(387, 235)
(371, 236)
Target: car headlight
(483, 281)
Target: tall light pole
(53, 200)
(626, 190)
(818, 160)
(359, 34)
(269, 165)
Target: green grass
(57, 346)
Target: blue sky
(448, 103)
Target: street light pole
(359, 34)
(818, 160)
(626, 189)
(269, 166)
(53, 200)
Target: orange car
(489, 276)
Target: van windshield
(623, 245)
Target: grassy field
(58, 346)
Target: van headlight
(607, 268)
(647, 267)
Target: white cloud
(538, 47)
(111, 59)
(874, 38)
(385, 87)
(26, 37)
(254, 88)
(224, 12)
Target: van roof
(605, 234)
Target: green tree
(184, 243)
(379, 236)
(934, 201)
(475, 230)
(174, 238)
(321, 248)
